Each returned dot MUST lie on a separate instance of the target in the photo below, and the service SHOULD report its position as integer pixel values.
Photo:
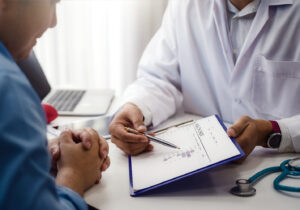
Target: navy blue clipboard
(142, 191)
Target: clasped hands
(79, 158)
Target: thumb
(66, 137)
(137, 121)
(238, 127)
(55, 153)
(231, 132)
(139, 126)
(83, 136)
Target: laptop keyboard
(66, 100)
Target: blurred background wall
(98, 43)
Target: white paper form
(202, 143)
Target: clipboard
(136, 191)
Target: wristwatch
(274, 138)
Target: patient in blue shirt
(25, 182)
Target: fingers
(130, 148)
(119, 132)
(104, 149)
(150, 147)
(239, 126)
(244, 130)
(66, 137)
(151, 134)
(103, 168)
(247, 140)
(53, 148)
(136, 118)
(131, 144)
(99, 176)
(55, 152)
(129, 116)
(87, 136)
(106, 164)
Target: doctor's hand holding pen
(85, 137)
(129, 116)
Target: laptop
(68, 102)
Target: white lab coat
(189, 62)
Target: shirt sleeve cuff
(70, 199)
(286, 144)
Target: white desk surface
(206, 190)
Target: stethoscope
(287, 168)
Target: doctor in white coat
(239, 59)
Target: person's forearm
(68, 178)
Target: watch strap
(276, 128)
(274, 138)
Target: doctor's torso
(265, 80)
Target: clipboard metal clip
(175, 126)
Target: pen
(157, 140)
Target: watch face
(274, 140)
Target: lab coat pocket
(276, 88)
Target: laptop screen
(34, 72)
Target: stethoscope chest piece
(288, 168)
(244, 188)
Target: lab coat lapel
(220, 18)
(261, 18)
(259, 22)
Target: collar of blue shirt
(5, 52)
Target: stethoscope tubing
(285, 172)
(263, 173)
(287, 168)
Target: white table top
(206, 190)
